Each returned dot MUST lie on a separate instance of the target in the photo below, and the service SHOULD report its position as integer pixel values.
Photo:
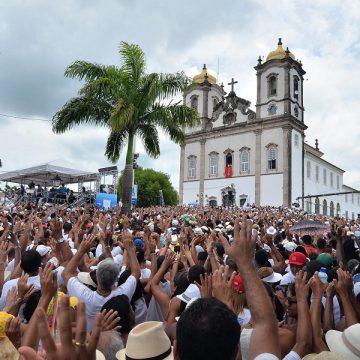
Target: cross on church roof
(232, 83)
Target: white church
(239, 156)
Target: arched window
(325, 176)
(296, 88)
(338, 209)
(331, 209)
(244, 160)
(213, 163)
(325, 207)
(192, 166)
(272, 157)
(194, 102)
(317, 206)
(272, 85)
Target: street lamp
(56, 181)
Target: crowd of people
(176, 283)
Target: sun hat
(271, 230)
(147, 340)
(43, 250)
(325, 259)
(191, 292)
(198, 231)
(346, 343)
(85, 278)
(297, 258)
(8, 350)
(290, 246)
(238, 284)
(4, 317)
(324, 355)
(268, 275)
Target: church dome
(200, 78)
(279, 53)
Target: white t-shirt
(10, 266)
(140, 311)
(244, 317)
(95, 301)
(145, 273)
(33, 280)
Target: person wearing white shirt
(107, 275)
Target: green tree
(130, 102)
(149, 183)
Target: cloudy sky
(40, 38)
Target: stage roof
(43, 175)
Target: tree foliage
(149, 183)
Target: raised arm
(264, 338)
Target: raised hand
(205, 285)
(317, 286)
(343, 282)
(111, 321)
(67, 349)
(301, 286)
(24, 290)
(222, 288)
(48, 282)
(12, 331)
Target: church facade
(237, 155)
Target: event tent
(44, 174)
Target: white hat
(290, 246)
(346, 343)
(54, 260)
(229, 227)
(349, 233)
(219, 226)
(273, 278)
(270, 230)
(198, 231)
(175, 222)
(191, 292)
(205, 228)
(43, 250)
(85, 278)
(146, 341)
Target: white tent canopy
(44, 174)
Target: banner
(134, 194)
(228, 171)
(106, 201)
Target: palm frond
(150, 139)
(133, 60)
(81, 110)
(115, 142)
(122, 117)
(170, 85)
(86, 70)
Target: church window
(325, 209)
(338, 182)
(272, 86)
(331, 209)
(296, 88)
(272, 109)
(228, 163)
(244, 161)
(296, 140)
(317, 173)
(296, 111)
(194, 102)
(346, 214)
(213, 163)
(338, 209)
(325, 176)
(271, 157)
(317, 206)
(346, 198)
(191, 166)
(308, 169)
(331, 179)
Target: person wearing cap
(297, 260)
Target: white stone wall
(296, 166)
(271, 190)
(192, 149)
(191, 190)
(198, 93)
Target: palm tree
(131, 103)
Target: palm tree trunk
(128, 178)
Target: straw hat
(324, 355)
(145, 341)
(8, 350)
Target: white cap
(191, 292)
(175, 222)
(198, 231)
(43, 250)
(290, 246)
(271, 230)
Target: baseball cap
(238, 284)
(191, 292)
(139, 242)
(325, 259)
(297, 258)
(43, 250)
(290, 246)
